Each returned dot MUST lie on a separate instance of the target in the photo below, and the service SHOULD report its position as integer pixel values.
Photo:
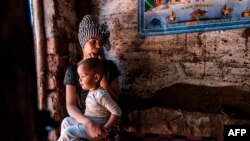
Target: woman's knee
(68, 131)
(72, 133)
(68, 121)
(68, 134)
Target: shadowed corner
(45, 124)
(234, 112)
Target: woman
(92, 37)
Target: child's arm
(113, 108)
(113, 119)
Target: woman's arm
(113, 89)
(95, 131)
(71, 105)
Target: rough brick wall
(61, 28)
(60, 22)
(61, 19)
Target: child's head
(90, 73)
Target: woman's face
(93, 47)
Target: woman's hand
(97, 132)
(113, 89)
(95, 55)
(104, 83)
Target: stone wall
(59, 19)
(151, 64)
(218, 58)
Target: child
(100, 107)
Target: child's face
(86, 78)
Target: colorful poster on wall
(158, 17)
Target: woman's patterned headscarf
(89, 28)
